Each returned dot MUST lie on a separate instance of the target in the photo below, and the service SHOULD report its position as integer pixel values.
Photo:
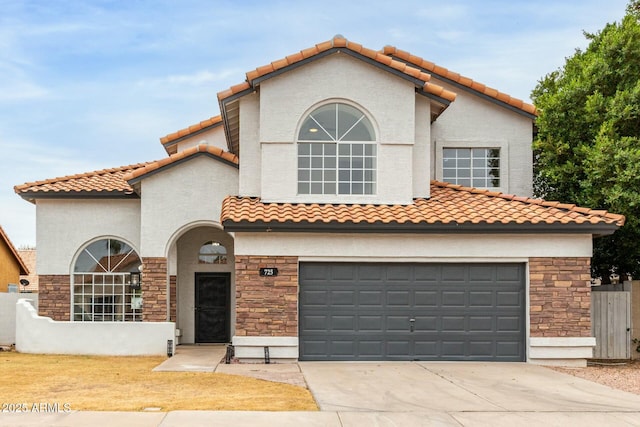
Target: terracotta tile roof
(188, 131)
(457, 78)
(105, 181)
(114, 181)
(449, 204)
(174, 158)
(342, 43)
(23, 267)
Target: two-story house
(347, 204)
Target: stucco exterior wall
(65, 226)
(214, 137)
(421, 156)
(188, 248)
(187, 193)
(250, 166)
(389, 102)
(412, 247)
(472, 121)
(42, 335)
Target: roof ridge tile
(465, 81)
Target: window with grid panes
(337, 152)
(472, 167)
(101, 286)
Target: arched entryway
(202, 295)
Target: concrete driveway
(468, 394)
(398, 394)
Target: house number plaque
(269, 272)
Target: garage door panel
(482, 273)
(314, 323)
(343, 323)
(453, 324)
(373, 298)
(426, 299)
(481, 323)
(372, 323)
(343, 298)
(398, 347)
(508, 324)
(311, 298)
(509, 273)
(461, 311)
(481, 299)
(397, 323)
(453, 298)
(398, 298)
(478, 348)
(509, 298)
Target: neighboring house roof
(115, 182)
(229, 108)
(29, 256)
(460, 81)
(23, 267)
(102, 183)
(170, 142)
(450, 208)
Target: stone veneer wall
(154, 289)
(560, 297)
(266, 306)
(54, 296)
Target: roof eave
(424, 228)
(469, 89)
(170, 144)
(31, 196)
(134, 181)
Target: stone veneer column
(266, 306)
(54, 296)
(560, 297)
(154, 289)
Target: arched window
(212, 253)
(102, 289)
(336, 152)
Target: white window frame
(123, 304)
(369, 160)
(497, 144)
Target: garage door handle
(412, 326)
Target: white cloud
(193, 79)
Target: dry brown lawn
(96, 383)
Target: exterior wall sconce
(135, 278)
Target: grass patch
(97, 383)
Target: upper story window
(336, 152)
(212, 253)
(472, 167)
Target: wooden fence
(611, 324)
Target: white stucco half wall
(42, 335)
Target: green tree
(587, 149)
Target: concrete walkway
(210, 358)
(390, 394)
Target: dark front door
(212, 307)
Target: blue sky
(87, 85)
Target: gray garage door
(374, 311)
